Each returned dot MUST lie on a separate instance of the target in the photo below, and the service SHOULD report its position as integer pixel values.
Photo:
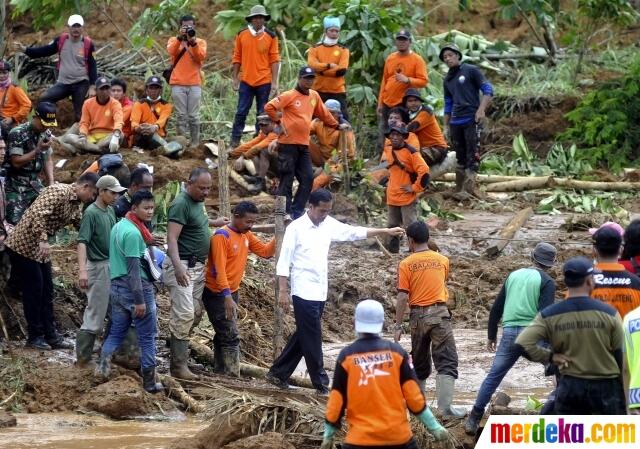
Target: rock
(7, 419)
(120, 398)
(269, 440)
(501, 399)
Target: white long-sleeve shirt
(305, 250)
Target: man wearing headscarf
(330, 60)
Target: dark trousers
(77, 91)
(432, 339)
(465, 142)
(341, 97)
(226, 338)
(295, 161)
(36, 284)
(576, 396)
(305, 342)
(411, 444)
(246, 95)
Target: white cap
(75, 19)
(369, 317)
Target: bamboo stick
(278, 325)
(223, 180)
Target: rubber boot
(194, 130)
(179, 356)
(470, 184)
(394, 245)
(218, 360)
(472, 424)
(231, 360)
(103, 369)
(444, 391)
(84, 348)
(461, 178)
(149, 382)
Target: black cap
(411, 92)
(153, 81)
(46, 112)
(401, 129)
(451, 47)
(403, 34)
(607, 239)
(307, 72)
(102, 81)
(576, 270)
(5, 65)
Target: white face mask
(152, 100)
(328, 41)
(255, 32)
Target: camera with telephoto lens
(191, 31)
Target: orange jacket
(413, 163)
(127, 107)
(617, 287)
(254, 146)
(158, 115)
(412, 141)
(256, 54)
(101, 118)
(411, 65)
(423, 275)
(318, 58)
(374, 384)
(426, 127)
(14, 104)
(297, 111)
(187, 71)
(227, 259)
(328, 139)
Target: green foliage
(605, 122)
(49, 12)
(161, 17)
(580, 202)
(566, 162)
(163, 199)
(522, 162)
(544, 11)
(428, 207)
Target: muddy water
(69, 431)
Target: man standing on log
(229, 249)
(525, 293)
(77, 69)
(293, 111)
(303, 259)
(464, 114)
(56, 207)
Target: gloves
(432, 425)
(327, 437)
(341, 72)
(114, 143)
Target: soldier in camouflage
(28, 155)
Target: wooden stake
(278, 325)
(342, 147)
(508, 232)
(223, 181)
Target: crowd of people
(301, 134)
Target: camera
(46, 136)
(191, 31)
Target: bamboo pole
(507, 233)
(223, 180)
(278, 325)
(342, 147)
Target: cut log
(484, 179)
(223, 180)
(595, 185)
(204, 355)
(175, 391)
(520, 184)
(278, 319)
(507, 233)
(238, 179)
(268, 228)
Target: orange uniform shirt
(327, 81)
(426, 127)
(14, 103)
(227, 259)
(327, 139)
(297, 111)
(617, 287)
(423, 276)
(187, 71)
(127, 107)
(101, 118)
(253, 147)
(256, 54)
(413, 163)
(158, 114)
(374, 384)
(411, 65)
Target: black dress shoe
(38, 343)
(58, 342)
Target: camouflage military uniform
(22, 184)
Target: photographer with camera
(187, 54)
(28, 155)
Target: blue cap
(331, 22)
(576, 270)
(306, 72)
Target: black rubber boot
(103, 369)
(84, 348)
(472, 424)
(149, 381)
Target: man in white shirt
(303, 258)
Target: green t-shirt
(194, 237)
(94, 232)
(125, 241)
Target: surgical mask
(152, 100)
(253, 31)
(326, 40)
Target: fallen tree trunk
(483, 179)
(507, 233)
(204, 355)
(519, 185)
(175, 391)
(238, 179)
(268, 228)
(595, 185)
